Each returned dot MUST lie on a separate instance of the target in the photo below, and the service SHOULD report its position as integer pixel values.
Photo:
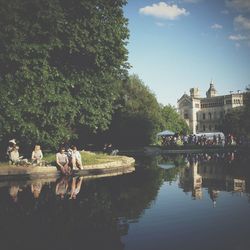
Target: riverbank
(95, 165)
(189, 149)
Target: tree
(60, 61)
(173, 121)
(237, 120)
(137, 118)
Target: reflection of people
(13, 191)
(62, 161)
(76, 158)
(213, 195)
(62, 187)
(36, 189)
(37, 155)
(75, 187)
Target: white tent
(166, 133)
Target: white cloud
(242, 23)
(164, 11)
(239, 5)
(191, 1)
(237, 37)
(216, 26)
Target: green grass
(88, 158)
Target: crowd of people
(201, 140)
(66, 159)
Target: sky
(180, 44)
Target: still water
(169, 202)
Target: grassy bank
(88, 158)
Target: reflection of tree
(97, 218)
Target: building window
(204, 116)
(210, 116)
(210, 127)
(204, 128)
(228, 101)
(197, 105)
(185, 116)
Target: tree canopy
(64, 76)
(237, 121)
(59, 63)
(139, 116)
(173, 121)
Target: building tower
(195, 92)
(211, 91)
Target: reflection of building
(213, 176)
(205, 114)
(192, 180)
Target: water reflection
(215, 173)
(98, 214)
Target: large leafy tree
(137, 118)
(173, 121)
(59, 63)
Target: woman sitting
(37, 155)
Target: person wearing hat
(14, 155)
(12, 144)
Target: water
(169, 202)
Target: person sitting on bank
(62, 161)
(14, 158)
(76, 159)
(108, 148)
(37, 155)
(12, 144)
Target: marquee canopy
(166, 133)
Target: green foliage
(237, 121)
(138, 115)
(59, 63)
(173, 121)
(88, 158)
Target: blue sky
(177, 45)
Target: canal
(194, 201)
